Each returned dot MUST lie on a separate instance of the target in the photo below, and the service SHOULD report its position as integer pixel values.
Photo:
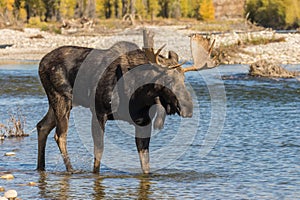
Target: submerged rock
(31, 184)
(263, 68)
(7, 176)
(10, 154)
(11, 194)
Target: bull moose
(95, 79)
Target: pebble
(10, 154)
(7, 176)
(11, 194)
(31, 184)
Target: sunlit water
(256, 156)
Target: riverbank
(33, 44)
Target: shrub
(277, 14)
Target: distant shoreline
(26, 47)
(14, 61)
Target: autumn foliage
(57, 10)
(278, 14)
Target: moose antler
(149, 50)
(148, 47)
(153, 57)
(201, 48)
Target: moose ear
(173, 55)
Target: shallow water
(253, 155)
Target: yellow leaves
(10, 5)
(7, 5)
(67, 8)
(207, 10)
(292, 11)
(276, 14)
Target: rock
(10, 154)
(263, 68)
(11, 194)
(2, 189)
(3, 198)
(31, 184)
(7, 176)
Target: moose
(111, 83)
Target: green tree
(184, 7)
(153, 8)
(194, 8)
(35, 8)
(141, 9)
(292, 17)
(19, 10)
(175, 11)
(267, 13)
(67, 8)
(52, 10)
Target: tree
(19, 10)
(207, 10)
(90, 9)
(35, 8)
(52, 10)
(267, 13)
(67, 8)
(153, 8)
(184, 7)
(292, 17)
(141, 8)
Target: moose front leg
(142, 140)
(98, 137)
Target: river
(242, 143)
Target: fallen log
(77, 25)
(263, 68)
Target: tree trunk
(124, 7)
(90, 9)
(79, 9)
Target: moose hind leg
(44, 127)
(62, 114)
(142, 140)
(98, 137)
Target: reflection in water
(99, 192)
(144, 188)
(92, 186)
(64, 184)
(59, 189)
(43, 184)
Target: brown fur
(82, 76)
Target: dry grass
(14, 127)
